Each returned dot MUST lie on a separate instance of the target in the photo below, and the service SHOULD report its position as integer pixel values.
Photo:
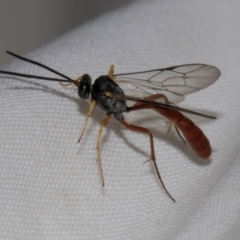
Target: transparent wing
(173, 82)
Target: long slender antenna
(68, 79)
(33, 76)
(40, 65)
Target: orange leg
(145, 130)
(92, 106)
(65, 84)
(111, 71)
(178, 133)
(139, 106)
(102, 124)
(191, 132)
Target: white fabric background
(50, 185)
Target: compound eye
(84, 87)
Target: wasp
(158, 90)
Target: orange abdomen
(192, 133)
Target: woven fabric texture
(50, 185)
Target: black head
(84, 86)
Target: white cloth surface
(50, 186)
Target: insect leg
(102, 124)
(92, 106)
(111, 71)
(138, 106)
(179, 134)
(65, 84)
(145, 130)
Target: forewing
(173, 82)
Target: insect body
(158, 90)
(191, 132)
(102, 89)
